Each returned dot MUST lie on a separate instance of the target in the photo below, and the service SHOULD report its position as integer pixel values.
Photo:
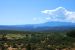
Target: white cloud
(60, 14)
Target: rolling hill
(48, 26)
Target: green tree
(71, 33)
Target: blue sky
(17, 12)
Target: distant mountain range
(48, 26)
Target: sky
(18, 12)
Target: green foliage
(71, 33)
(39, 39)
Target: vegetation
(71, 33)
(37, 40)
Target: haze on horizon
(17, 12)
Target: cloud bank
(60, 14)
